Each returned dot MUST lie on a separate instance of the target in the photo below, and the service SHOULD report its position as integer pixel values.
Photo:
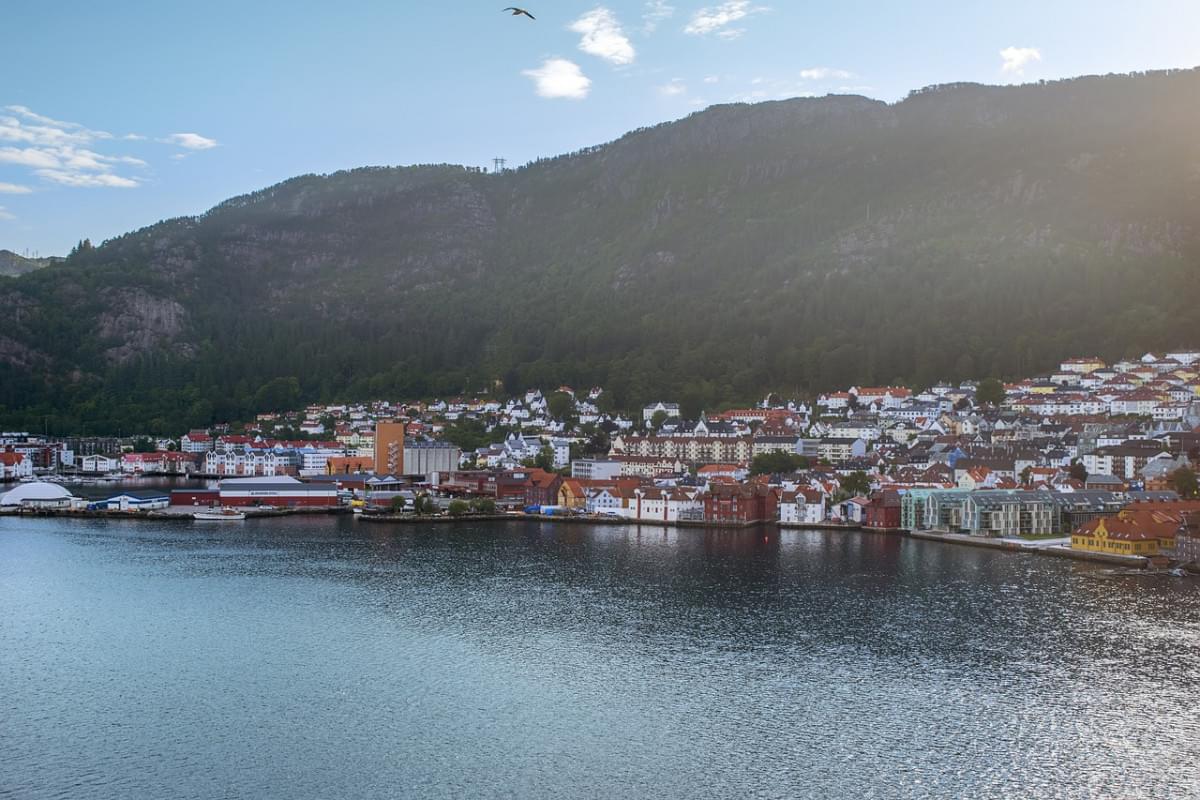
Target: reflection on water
(319, 658)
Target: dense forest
(789, 246)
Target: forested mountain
(798, 245)
(12, 265)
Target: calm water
(322, 659)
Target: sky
(116, 115)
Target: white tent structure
(39, 494)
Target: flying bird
(519, 11)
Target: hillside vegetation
(796, 245)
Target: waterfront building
(389, 448)
(1133, 532)
(883, 511)
(1007, 513)
(740, 504)
(281, 492)
(429, 457)
(14, 465)
(98, 464)
(802, 507)
(133, 501)
(1187, 538)
(40, 495)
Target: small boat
(218, 515)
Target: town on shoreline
(1095, 459)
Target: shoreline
(943, 537)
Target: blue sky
(113, 116)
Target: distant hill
(797, 245)
(12, 265)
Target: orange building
(389, 448)
(346, 465)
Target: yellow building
(571, 494)
(1133, 532)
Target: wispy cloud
(84, 179)
(656, 12)
(603, 37)
(717, 19)
(673, 88)
(1015, 59)
(824, 74)
(190, 141)
(59, 152)
(4, 213)
(558, 78)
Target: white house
(98, 464)
(667, 505)
(14, 465)
(802, 507)
(670, 409)
(196, 442)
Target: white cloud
(4, 213)
(1015, 59)
(14, 188)
(82, 179)
(28, 157)
(711, 79)
(824, 73)
(191, 141)
(603, 37)
(655, 12)
(559, 78)
(673, 89)
(59, 152)
(716, 19)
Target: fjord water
(321, 658)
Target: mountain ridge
(794, 245)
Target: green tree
(560, 405)
(458, 507)
(423, 504)
(777, 463)
(990, 391)
(1078, 471)
(483, 505)
(280, 394)
(544, 459)
(658, 419)
(397, 503)
(1184, 481)
(143, 445)
(856, 484)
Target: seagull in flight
(519, 11)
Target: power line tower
(499, 164)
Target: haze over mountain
(797, 245)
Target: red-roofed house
(14, 465)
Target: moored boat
(218, 515)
